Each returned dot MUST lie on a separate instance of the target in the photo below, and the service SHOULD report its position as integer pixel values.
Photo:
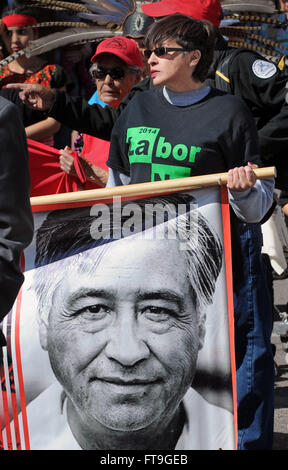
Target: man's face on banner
(123, 334)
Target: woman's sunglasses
(116, 74)
(160, 51)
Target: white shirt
(49, 428)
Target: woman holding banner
(204, 131)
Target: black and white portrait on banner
(123, 329)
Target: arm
(93, 173)
(75, 112)
(42, 129)
(285, 209)
(250, 199)
(16, 222)
(252, 204)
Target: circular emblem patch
(263, 69)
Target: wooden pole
(146, 189)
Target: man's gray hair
(66, 236)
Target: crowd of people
(169, 67)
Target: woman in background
(17, 30)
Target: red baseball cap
(124, 48)
(199, 9)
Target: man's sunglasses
(116, 74)
(160, 51)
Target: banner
(48, 178)
(121, 337)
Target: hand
(67, 161)
(285, 209)
(241, 178)
(35, 96)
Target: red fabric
(199, 9)
(45, 171)
(18, 20)
(47, 176)
(96, 150)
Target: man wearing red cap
(262, 86)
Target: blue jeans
(253, 313)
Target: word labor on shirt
(144, 143)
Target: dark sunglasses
(160, 51)
(116, 74)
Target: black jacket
(16, 222)
(266, 97)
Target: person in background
(18, 29)
(278, 34)
(135, 27)
(117, 67)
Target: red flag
(47, 177)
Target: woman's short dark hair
(190, 34)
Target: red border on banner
(225, 213)
(225, 210)
(19, 364)
(6, 419)
(12, 390)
